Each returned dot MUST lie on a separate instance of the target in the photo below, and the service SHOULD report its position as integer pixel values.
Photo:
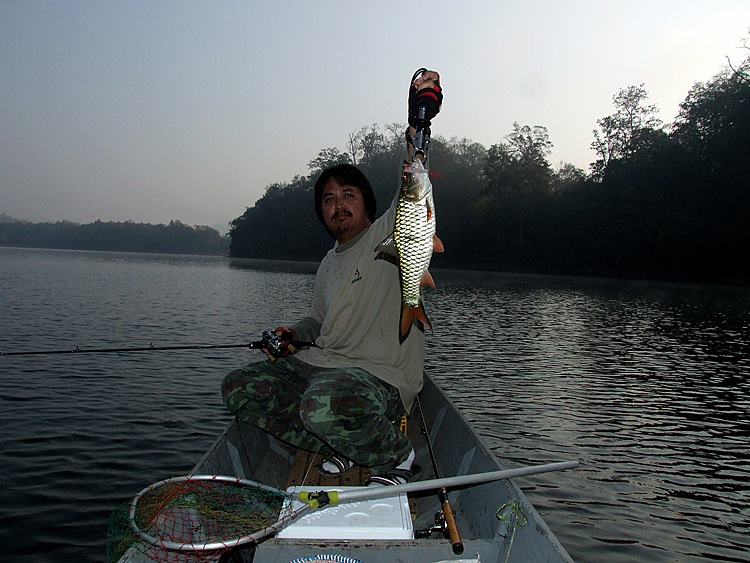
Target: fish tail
(421, 315)
(408, 314)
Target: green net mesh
(195, 515)
(120, 536)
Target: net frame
(155, 509)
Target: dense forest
(662, 202)
(175, 238)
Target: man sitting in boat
(345, 396)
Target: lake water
(645, 384)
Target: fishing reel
(440, 527)
(278, 346)
(424, 104)
(421, 140)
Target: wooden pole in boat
(448, 514)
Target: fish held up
(412, 242)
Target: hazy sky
(151, 111)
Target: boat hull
(248, 452)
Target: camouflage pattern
(343, 410)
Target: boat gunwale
(487, 547)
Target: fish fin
(408, 314)
(437, 244)
(420, 314)
(427, 280)
(388, 246)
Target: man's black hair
(345, 175)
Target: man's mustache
(339, 212)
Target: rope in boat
(506, 515)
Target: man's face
(344, 210)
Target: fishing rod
(149, 348)
(420, 102)
(276, 347)
(422, 137)
(445, 517)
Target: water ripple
(645, 384)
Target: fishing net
(193, 519)
(120, 536)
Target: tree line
(662, 202)
(175, 238)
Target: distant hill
(175, 238)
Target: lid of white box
(385, 518)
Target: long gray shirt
(355, 313)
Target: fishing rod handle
(450, 522)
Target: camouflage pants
(348, 411)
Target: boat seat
(305, 472)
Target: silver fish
(413, 241)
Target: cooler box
(377, 519)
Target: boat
(496, 521)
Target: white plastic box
(378, 519)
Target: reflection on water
(645, 384)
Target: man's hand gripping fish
(412, 242)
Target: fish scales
(413, 234)
(413, 241)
